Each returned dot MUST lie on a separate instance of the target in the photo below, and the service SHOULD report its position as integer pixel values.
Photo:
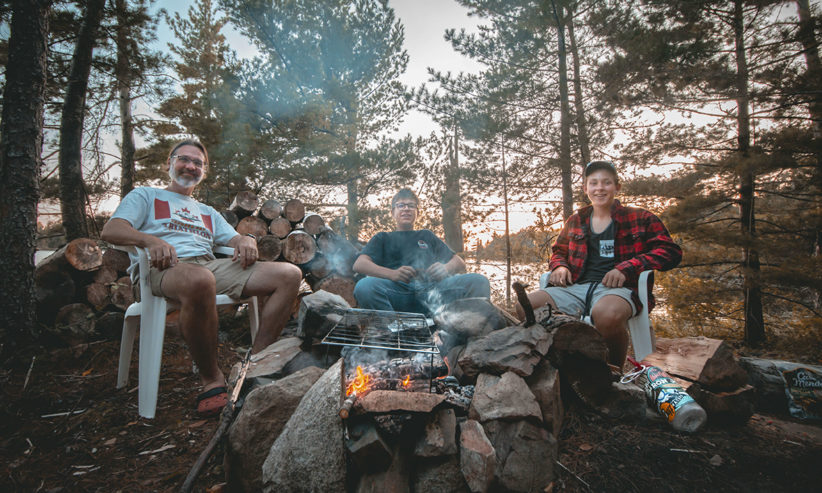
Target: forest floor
(64, 428)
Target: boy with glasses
(598, 256)
(412, 270)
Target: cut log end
(299, 247)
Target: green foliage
(324, 91)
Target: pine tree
(324, 90)
(21, 140)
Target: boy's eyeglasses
(186, 160)
(403, 205)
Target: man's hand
(161, 254)
(613, 279)
(403, 274)
(437, 271)
(560, 276)
(245, 250)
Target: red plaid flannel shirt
(641, 242)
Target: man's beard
(184, 181)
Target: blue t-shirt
(191, 227)
(419, 249)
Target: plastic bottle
(671, 400)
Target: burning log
(280, 227)
(347, 404)
(270, 210)
(294, 211)
(244, 204)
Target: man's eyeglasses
(186, 160)
(405, 205)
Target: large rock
(269, 363)
(395, 479)
(319, 312)
(264, 414)
(505, 397)
(545, 385)
(440, 435)
(440, 475)
(525, 456)
(477, 457)
(516, 349)
(309, 454)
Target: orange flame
(360, 383)
(406, 380)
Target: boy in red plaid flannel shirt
(598, 256)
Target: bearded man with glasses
(179, 234)
(412, 270)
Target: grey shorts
(230, 275)
(571, 299)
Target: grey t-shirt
(600, 258)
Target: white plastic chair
(151, 311)
(639, 326)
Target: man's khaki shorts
(230, 275)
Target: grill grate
(378, 329)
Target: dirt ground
(103, 446)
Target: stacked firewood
(286, 232)
(82, 291)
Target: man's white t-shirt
(191, 227)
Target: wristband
(251, 236)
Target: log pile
(82, 292)
(286, 232)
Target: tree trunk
(810, 48)
(72, 188)
(813, 81)
(353, 208)
(451, 199)
(565, 120)
(754, 324)
(21, 140)
(582, 125)
(124, 91)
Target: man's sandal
(211, 402)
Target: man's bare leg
(279, 281)
(610, 317)
(193, 287)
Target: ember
(360, 383)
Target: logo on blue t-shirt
(422, 244)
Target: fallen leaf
(88, 372)
(161, 449)
(197, 424)
(217, 488)
(109, 443)
(716, 461)
(586, 447)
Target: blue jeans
(375, 293)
